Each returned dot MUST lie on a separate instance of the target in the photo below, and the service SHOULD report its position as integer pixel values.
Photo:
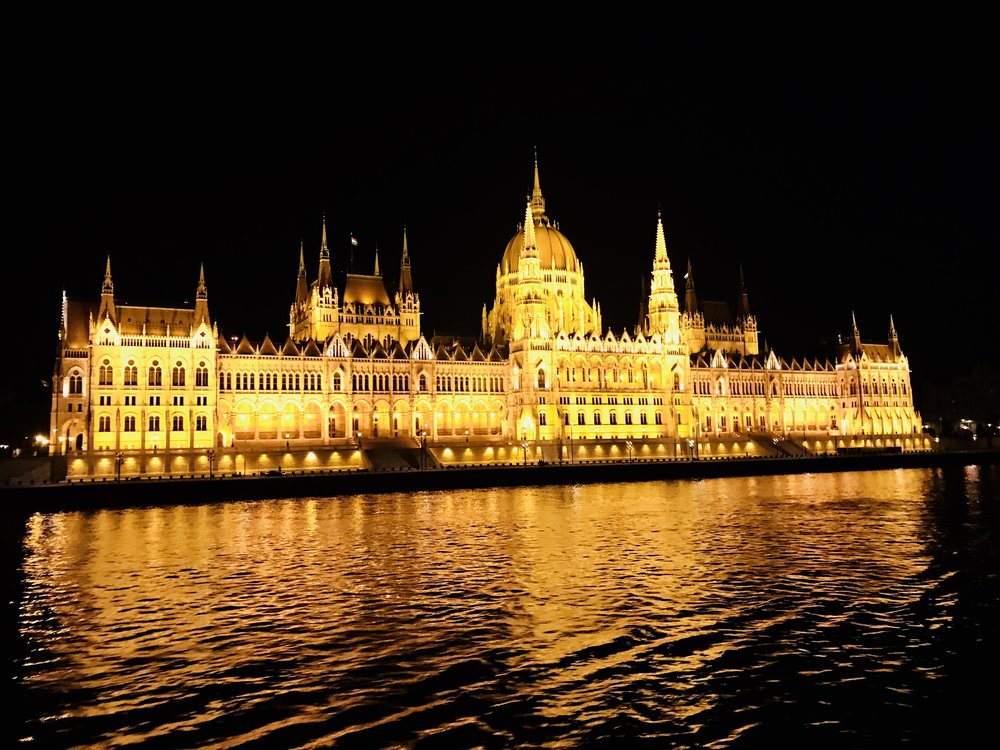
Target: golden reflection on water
(142, 605)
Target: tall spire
(690, 298)
(529, 247)
(405, 279)
(893, 338)
(376, 261)
(325, 276)
(201, 298)
(661, 241)
(108, 286)
(537, 201)
(107, 307)
(855, 335)
(744, 304)
(302, 283)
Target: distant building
(157, 388)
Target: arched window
(613, 417)
(154, 424)
(580, 418)
(628, 417)
(177, 380)
(129, 424)
(178, 423)
(677, 381)
(131, 374)
(201, 376)
(75, 384)
(106, 374)
(201, 423)
(336, 383)
(642, 417)
(104, 424)
(659, 418)
(541, 378)
(597, 417)
(541, 418)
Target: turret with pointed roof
(107, 297)
(537, 201)
(894, 349)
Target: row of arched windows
(272, 381)
(130, 375)
(129, 423)
(475, 383)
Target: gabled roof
(377, 351)
(245, 346)
(223, 345)
(441, 354)
(312, 350)
(358, 349)
(496, 354)
(289, 349)
(460, 355)
(267, 348)
(157, 320)
(396, 351)
(477, 354)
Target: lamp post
(423, 450)
(524, 449)
(359, 439)
(628, 445)
(119, 460)
(691, 447)
(211, 463)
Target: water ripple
(852, 610)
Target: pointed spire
(690, 298)
(201, 298)
(855, 335)
(108, 286)
(376, 262)
(744, 303)
(302, 283)
(661, 241)
(405, 278)
(893, 339)
(537, 201)
(107, 307)
(529, 247)
(325, 275)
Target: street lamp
(524, 449)
(691, 447)
(359, 439)
(628, 445)
(423, 449)
(119, 460)
(211, 463)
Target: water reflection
(724, 611)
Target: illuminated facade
(156, 385)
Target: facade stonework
(156, 390)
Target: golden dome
(554, 250)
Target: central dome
(554, 250)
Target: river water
(852, 610)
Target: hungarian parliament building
(159, 391)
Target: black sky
(851, 172)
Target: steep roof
(157, 320)
(267, 348)
(365, 290)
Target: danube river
(853, 610)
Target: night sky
(848, 173)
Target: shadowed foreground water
(838, 609)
